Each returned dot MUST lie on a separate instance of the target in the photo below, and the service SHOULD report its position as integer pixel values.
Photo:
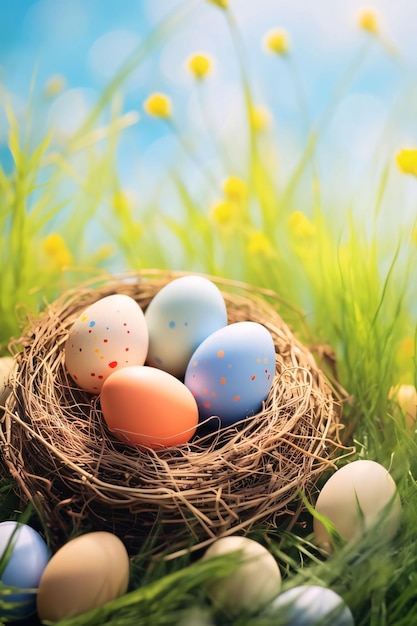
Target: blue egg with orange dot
(231, 372)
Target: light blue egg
(179, 317)
(311, 605)
(28, 558)
(231, 372)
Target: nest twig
(63, 458)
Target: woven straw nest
(64, 460)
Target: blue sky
(85, 41)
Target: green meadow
(343, 266)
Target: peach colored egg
(108, 335)
(147, 406)
(86, 573)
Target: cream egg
(108, 335)
(255, 581)
(357, 498)
(86, 573)
(406, 398)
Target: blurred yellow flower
(300, 226)
(407, 161)
(235, 188)
(260, 118)
(223, 212)
(56, 250)
(259, 245)
(54, 85)
(199, 65)
(368, 20)
(121, 204)
(223, 4)
(158, 105)
(277, 41)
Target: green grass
(344, 284)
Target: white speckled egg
(358, 497)
(108, 335)
(255, 581)
(231, 372)
(179, 317)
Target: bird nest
(64, 460)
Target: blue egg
(309, 605)
(28, 558)
(179, 317)
(231, 372)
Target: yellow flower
(199, 65)
(260, 118)
(223, 4)
(277, 41)
(407, 161)
(54, 85)
(56, 249)
(158, 105)
(368, 20)
(121, 204)
(259, 245)
(223, 213)
(235, 188)
(300, 226)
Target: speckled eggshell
(109, 335)
(231, 372)
(149, 407)
(86, 573)
(179, 317)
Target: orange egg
(147, 406)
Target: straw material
(64, 460)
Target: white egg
(255, 581)
(7, 365)
(109, 335)
(359, 497)
(309, 605)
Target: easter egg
(7, 364)
(231, 372)
(179, 317)
(147, 406)
(406, 399)
(108, 335)
(255, 581)
(86, 573)
(26, 562)
(309, 605)
(358, 497)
